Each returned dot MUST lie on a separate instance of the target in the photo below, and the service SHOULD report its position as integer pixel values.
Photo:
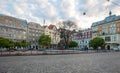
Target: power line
(117, 4)
(114, 3)
(107, 7)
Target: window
(107, 39)
(7, 23)
(36, 34)
(112, 28)
(118, 28)
(19, 32)
(8, 35)
(33, 34)
(33, 30)
(19, 37)
(86, 41)
(83, 41)
(33, 39)
(0, 34)
(10, 24)
(1, 23)
(24, 32)
(1, 29)
(24, 37)
(95, 29)
(36, 30)
(89, 34)
(14, 25)
(114, 38)
(6, 29)
(14, 31)
(14, 36)
(80, 42)
(104, 29)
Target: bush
(73, 44)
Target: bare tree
(67, 25)
(66, 28)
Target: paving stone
(74, 63)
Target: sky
(54, 11)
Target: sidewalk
(50, 52)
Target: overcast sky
(54, 11)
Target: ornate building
(54, 34)
(109, 30)
(82, 37)
(13, 28)
(34, 31)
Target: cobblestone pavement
(74, 63)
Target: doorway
(108, 47)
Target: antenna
(44, 22)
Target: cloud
(18, 10)
(43, 3)
(34, 18)
(68, 8)
(54, 11)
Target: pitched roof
(107, 19)
(51, 26)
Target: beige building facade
(13, 28)
(34, 31)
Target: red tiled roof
(51, 26)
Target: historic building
(54, 34)
(34, 31)
(82, 37)
(13, 28)
(109, 30)
(76, 37)
(86, 36)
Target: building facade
(54, 34)
(76, 37)
(33, 32)
(13, 28)
(109, 30)
(82, 37)
(86, 36)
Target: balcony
(94, 31)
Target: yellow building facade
(53, 32)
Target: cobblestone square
(74, 63)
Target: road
(74, 63)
